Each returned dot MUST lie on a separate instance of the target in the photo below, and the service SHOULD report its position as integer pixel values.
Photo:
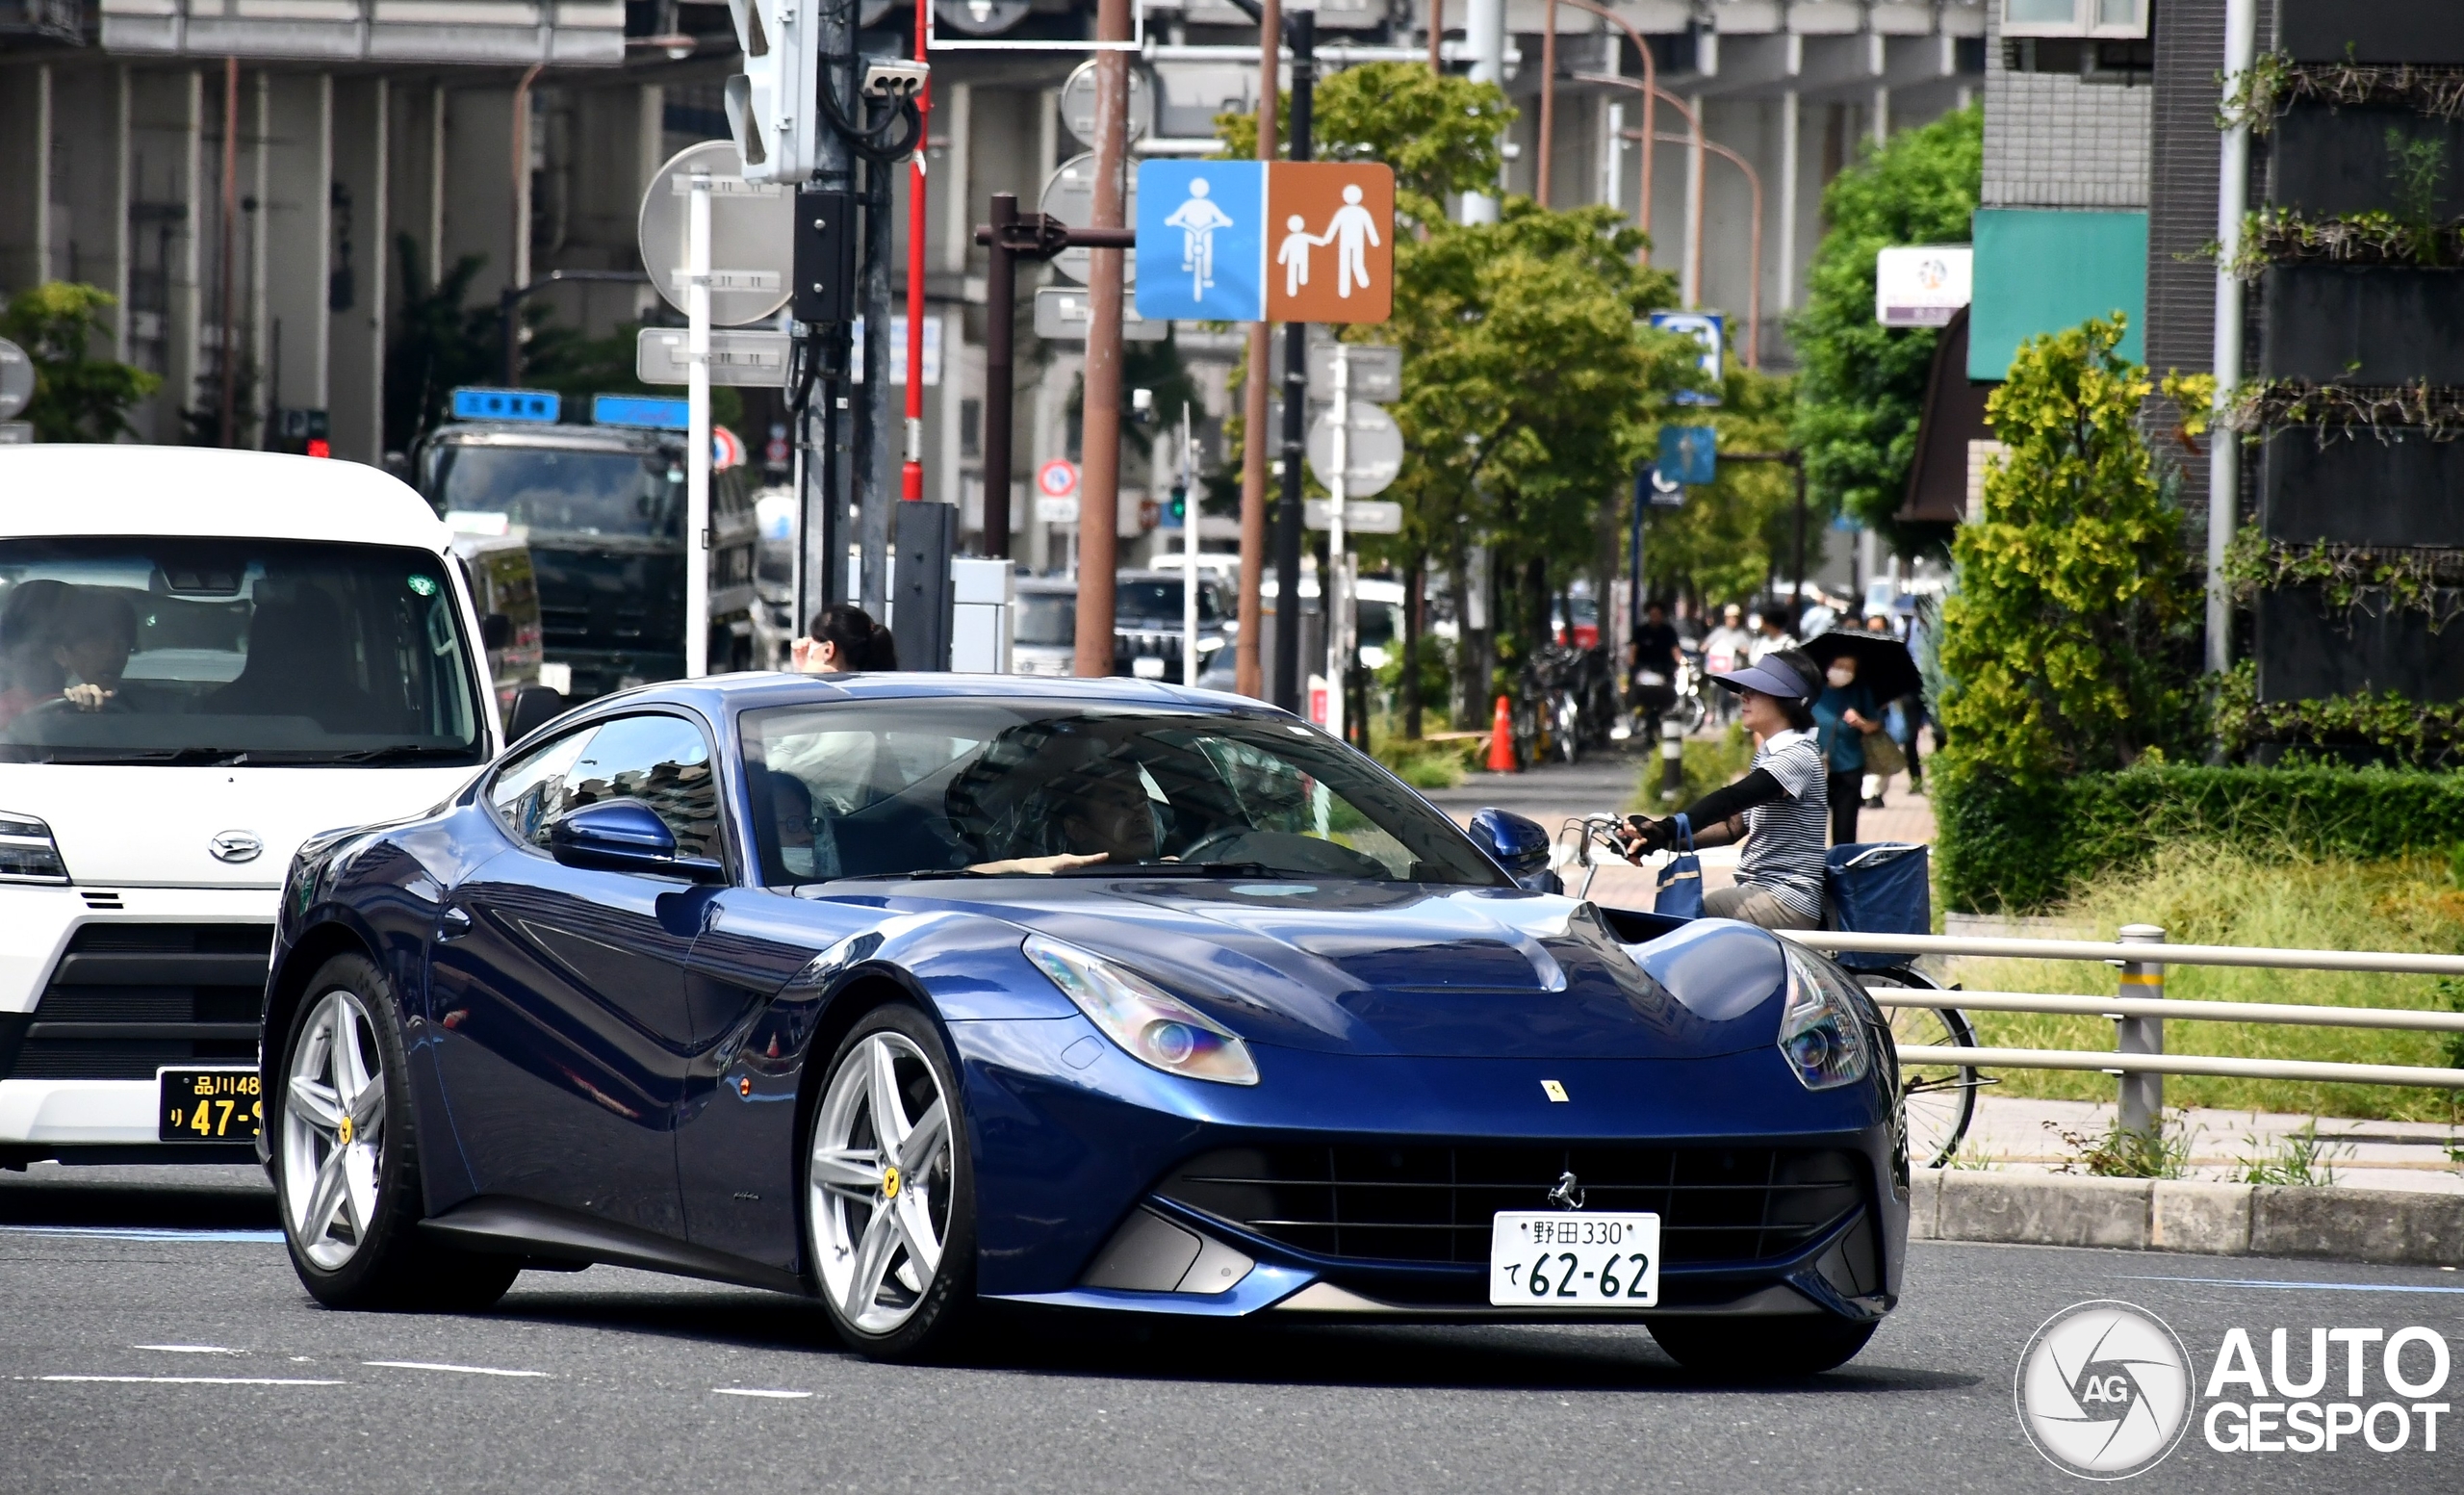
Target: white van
(205, 657)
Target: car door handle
(452, 923)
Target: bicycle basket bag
(1681, 881)
(1878, 888)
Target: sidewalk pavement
(2012, 1134)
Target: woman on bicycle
(1779, 809)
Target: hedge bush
(2001, 846)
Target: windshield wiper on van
(399, 753)
(175, 758)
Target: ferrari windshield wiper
(1178, 869)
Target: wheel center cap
(344, 1132)
(889, 1182)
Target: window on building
(2121, 20)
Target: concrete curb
(2211, 1219)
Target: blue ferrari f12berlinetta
(914, 994)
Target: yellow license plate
(209, 1105)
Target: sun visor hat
(1773, 677)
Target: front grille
(128, 998)
(1432, 1205)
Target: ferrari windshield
(950, 787)
(240, 650)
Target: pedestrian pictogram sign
(1057, 478)
(1241, 241)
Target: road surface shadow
(205, 1198)
(1052, 1343)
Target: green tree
(1439, 134)
(439, 342)
(1863, 387)
(2060, 647)
(77, 397)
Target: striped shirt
(1785, 838)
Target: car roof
(69, 489)
(718, 695)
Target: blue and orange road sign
(1244, 241)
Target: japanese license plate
(1564, 1259)
(208, 1105)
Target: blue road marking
(140, 1233)
(2331, 1287)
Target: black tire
(1762, 1349)
(938, 1312)
(392, 1266)
(1937, 1102)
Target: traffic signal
(1176, 508)
(771, 108)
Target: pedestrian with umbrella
(1860, 671)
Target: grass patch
(2209, 894)
(1425, 764)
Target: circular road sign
(752, 234)
(1372, 457)
(1057, 478)
(1078, 103)
(16, 379)
(1070, 196)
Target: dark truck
(604, 509)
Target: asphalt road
(154, 1338)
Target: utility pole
(1248, 674)
(910, 484)
(1484, 36)
(872, 453)
(1099, 479)
(824, 204)
(1289, 686)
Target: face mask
(1842, 676)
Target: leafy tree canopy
(1439, 134)
(2063, 645)
(77, 397)
(1864, 386)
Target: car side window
(662, 761)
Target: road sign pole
(1000, 323)
(910, 485)
(697, 429)
(1337, 595)
(1301, 29)
(1189, 553)
(1099, 478)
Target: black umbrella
(1882, 663)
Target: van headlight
(28, 853)
(1822, 1029)
(1156, 1027)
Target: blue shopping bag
(1878, 888)
(1681, 881)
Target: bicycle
(1938, 1101)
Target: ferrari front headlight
(1156, 1027)
(1822, 1029)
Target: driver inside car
(93, 633)
(1102, 814)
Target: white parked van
(205, 657)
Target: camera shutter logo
(2104, 1390)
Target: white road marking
(189, 1349)
(748, 1391)
(459, 1370)
(196, 1381)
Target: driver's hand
(1038, 867)
(86, 698)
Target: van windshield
(627, 495)
(231, 652)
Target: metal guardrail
(2138, 1056)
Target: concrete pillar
(89, 214)
(166, 214)
(1792, 126)
(256, 124)
(479, 184)
(361, 264)
(295, 177)
(25, 190)
(1881, 117)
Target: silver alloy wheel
(333, 1130)
(880, 1182)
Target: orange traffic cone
(1502, 742)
